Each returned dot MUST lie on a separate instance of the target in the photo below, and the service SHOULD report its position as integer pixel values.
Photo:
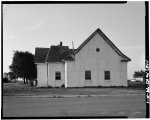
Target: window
(107, 75)
(97, 49)
(57, 76)
(87, 75)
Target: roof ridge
(41, 47)
(86, 40)
(40, 54)
(112, 45)
(57, 53)
(109, 42)
(46, 59)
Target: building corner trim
(65, 74)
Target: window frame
(87, 74)
(57, 74)
(107, 75)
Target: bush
(136, 85)
(49, 87)
(5, 80)
(63, 85)
(33, 82)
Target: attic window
(97, 49)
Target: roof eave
(39, 62)
(126, 60)
(89, 38)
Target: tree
(5, 75)
(139, 74)
(11, 75)
(23, 65)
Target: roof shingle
(53, 54)
(40, 55)
(59, 53)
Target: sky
(26, 26)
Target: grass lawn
(19, 89)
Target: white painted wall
(41, 75)
(98, 62)
(124, 74)
(52, 68)
(86, 59)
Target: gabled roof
(53, 54)
(58, 53)
(40, 55)
(98, 31)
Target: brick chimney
(60, 43)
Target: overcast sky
(27, 26)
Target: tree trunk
(24, 80)
(27, 81)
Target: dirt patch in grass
(19, 89)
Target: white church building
(96, 62)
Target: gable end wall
(98, 62)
